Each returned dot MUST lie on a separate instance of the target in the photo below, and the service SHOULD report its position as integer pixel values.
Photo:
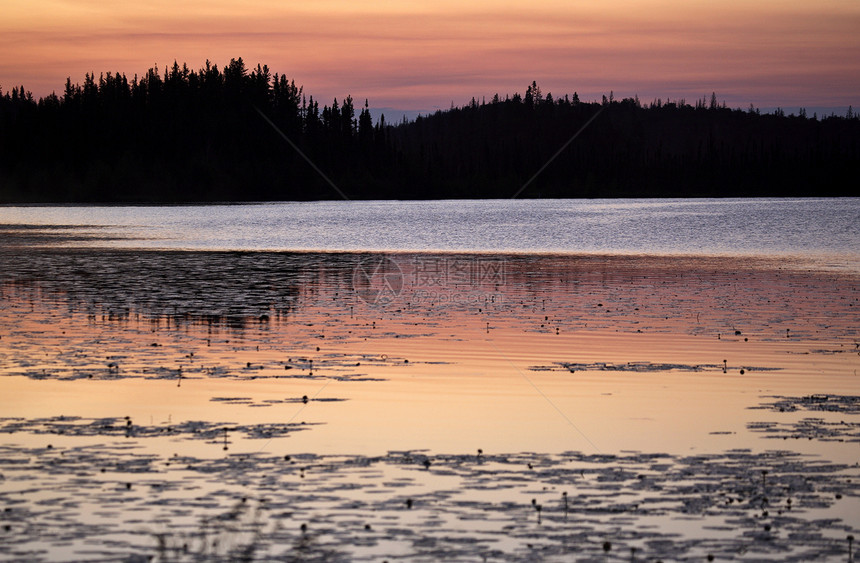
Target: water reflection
(245, 290)
(821, 231)
(149, 393)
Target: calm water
(294, 405)
(826, 231)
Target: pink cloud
(418, 59)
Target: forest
(245, 134)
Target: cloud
(416, 54)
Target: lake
(826, 230)
(462, 380)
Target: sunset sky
(426, 55)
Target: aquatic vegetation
(258, 506)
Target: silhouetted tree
(185, 134)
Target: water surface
(512, 380)
(822, 230)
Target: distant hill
(216, 135)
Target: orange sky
(422, 55)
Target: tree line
(218, 135)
